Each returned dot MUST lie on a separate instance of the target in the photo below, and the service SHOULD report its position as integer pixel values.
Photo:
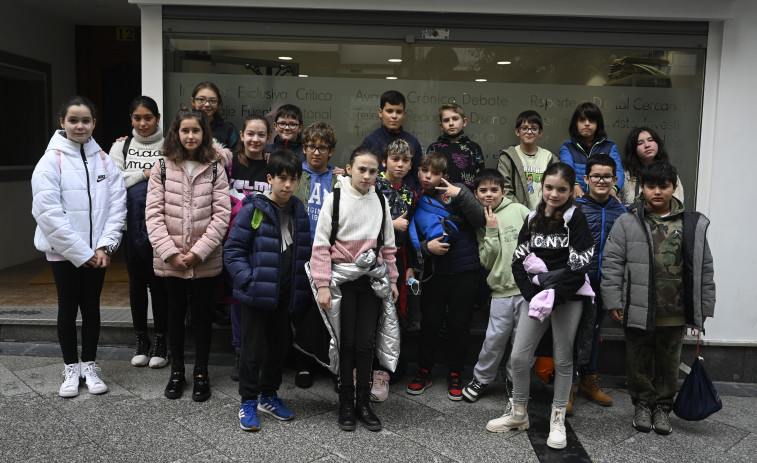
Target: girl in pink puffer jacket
(187, 216)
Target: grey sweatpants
(503, 322)
(564, 320)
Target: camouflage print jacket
(629, 276)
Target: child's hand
(339, 171)
(409, 273)
(103, 260)
(617, 315)
(614, 193)
(190, 259)
(491, 219)
(438, 248)
(578, 192)
(92, 262)
(177, 261)
(120, 139)
(324, 298)
(401, 223)
(395, 292)
(449, 189)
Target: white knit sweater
(359, 223)
(143, 152)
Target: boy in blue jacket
(265, 255)
(601, 210)
(451, 269)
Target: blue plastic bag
(697, 398)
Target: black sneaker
(420, 383)
(159, 352)
(454, 387)
(473, 390)
(142, 355)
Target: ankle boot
(364, 411)
(557, 437)
(201, 389)
(347, 418)
(515, 417)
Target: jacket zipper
(89, 193)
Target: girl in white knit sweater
(356, 242)
(135, 157)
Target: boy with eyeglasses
(392, 113)
(318, 179)
(288, 127)
(601, 210)
(522, 165)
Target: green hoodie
(497, 245)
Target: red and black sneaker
(454, 387)
(420, 383)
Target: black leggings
(78, 288)
(360, 308)
(141, 279)
(197, 293)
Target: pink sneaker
(380, 386)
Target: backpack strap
(102, 158)
(162, 171)
(126, 148)
(380, 239)
(335, 215)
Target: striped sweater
(359, 223)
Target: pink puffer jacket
(188, 214)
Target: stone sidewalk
(134, 422)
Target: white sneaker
(70, 386)
(159, 353)
(515, 417)
(94, 383)
(380, 386)
(557, 437)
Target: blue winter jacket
(601, 219)
(463, 215)
(138, 246)
(574, 154)
(253, 251)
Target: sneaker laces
(248, 408)
(69, 373)
(454, 381)
(421, 377)
(90, 371)
(663, 415)
(142, 342)
(558, 423)
(378, 378)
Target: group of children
(307, 249)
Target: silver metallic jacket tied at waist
(387, 343)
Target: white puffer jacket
(79, 206)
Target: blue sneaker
(276, 407)
(248, 416)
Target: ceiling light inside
(504, 62)
(391, 77)
(480, 80)
(395, 60)
(285, 58)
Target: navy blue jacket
(381, 136)
(601, 219)
(252, 255)
(574, 154)
(138, 246)
(467, 214)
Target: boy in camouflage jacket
(657, 279)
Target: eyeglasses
(201, 100)
(287, 125)
(525, 129)
(320, 149)
(605, 178)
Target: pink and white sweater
(359, 223)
